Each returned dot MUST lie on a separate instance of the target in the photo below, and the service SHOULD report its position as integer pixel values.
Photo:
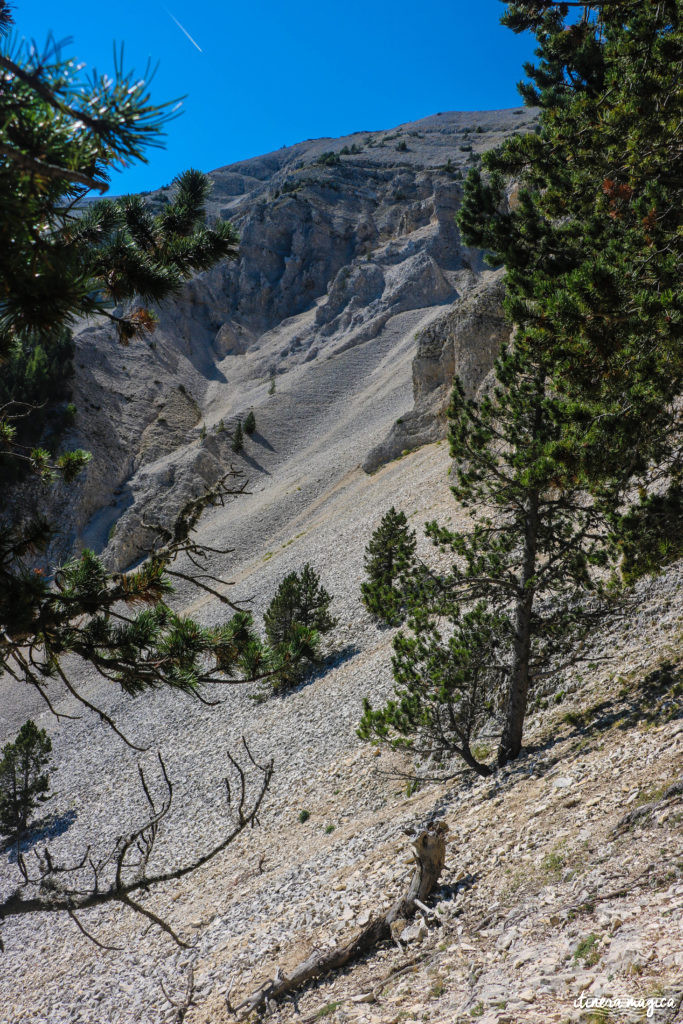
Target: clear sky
(260, 74)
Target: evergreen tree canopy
(295, 619)
(24, 778)
(300, 599)
(446, 688)
(389, 557)
(62, 133)
(533, 563)
(250, 422)
(575, 456)
(590, 237)
(87, 259)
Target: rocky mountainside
(341, 326)
(349, 251)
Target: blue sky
(261, 74)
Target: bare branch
(115, 877)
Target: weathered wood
(429, 852)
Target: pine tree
(389, 557)
(250, 423)
(533, 564)
(24, 778)
(446, 688)
(62, 133)
(583, 415)
(238, 438)
(295, 619)
(592, 246)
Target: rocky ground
(545, 897)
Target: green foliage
(304, 816)
(63, 133)
(295, 619)
(271, 387)
(238, 438)
(389, 557)
(533, 567)
(582, 409)
(300, 599)
(33, 385)
(587, 950)
(592, 247)
(446, 688)
(402, 146)
(327, 1009)
(250, 423)
(24, 778)
(328, 159)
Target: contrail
(183, 30)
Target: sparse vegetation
(587, 950)
(24, 778)
(295, 620)
(328, 159)
(389, 556)
(238, 438)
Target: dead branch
(183, 1005)
(49, 887)
(646, 810)
(429, 853)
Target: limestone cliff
(347, 246)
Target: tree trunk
(429, 850)
(511, 739)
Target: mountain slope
(348, 248)
(526, 846)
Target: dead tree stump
(429, 852)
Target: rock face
(346, 244)
(462, 342)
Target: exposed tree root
(429, 850)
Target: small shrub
(327, 1009)
(295, 619)
(329, 829)
(587, 950)
(553, 862)
(328, 159)
(304, 816)
(402, 146)
(24, 778)
(271, 389)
